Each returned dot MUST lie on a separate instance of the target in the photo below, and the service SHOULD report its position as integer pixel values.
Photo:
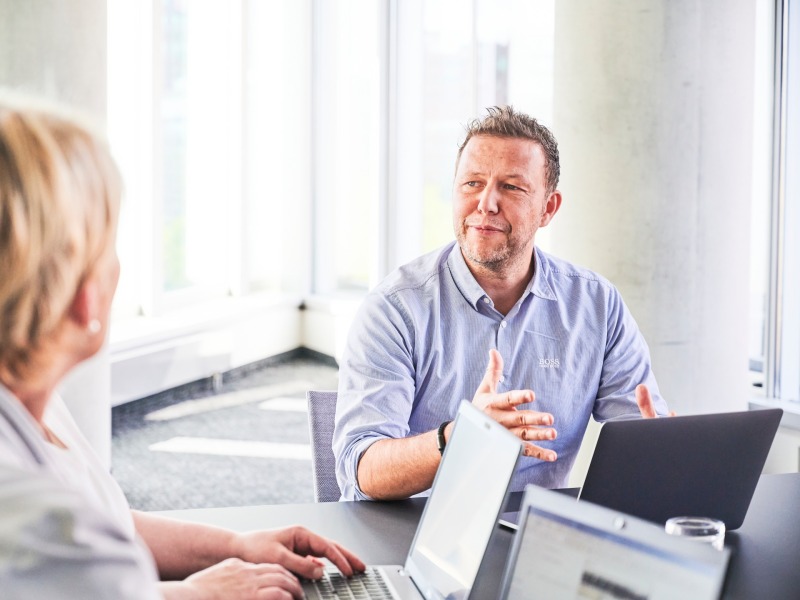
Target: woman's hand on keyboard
(297, 549)
(236, 579)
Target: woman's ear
(84, 307)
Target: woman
(66, 529)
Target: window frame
(782, 366)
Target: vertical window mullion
(783, 357)
(155, 269)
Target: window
(417, 71)
(764, 98)
(208, 117)
(782, 377)
(357, 105)
(198, 147)
(277, 147)
(476, 57)
(348, 39)
(308, 146)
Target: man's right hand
(528, 425)
(391, 469)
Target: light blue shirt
(420, 344)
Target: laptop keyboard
(367, 586)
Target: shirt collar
(462, 277)
(23, 424)
(539, 285)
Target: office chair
(321, 412)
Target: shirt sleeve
(52, 546)
(626, 364)
(376, 386)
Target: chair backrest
(321, 413)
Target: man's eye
(472, 183)
(508, 186)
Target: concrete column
(57, 49)
(654, 117)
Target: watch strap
(440, 436)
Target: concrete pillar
(654, 118)
(57, 49)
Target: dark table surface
(765, 559)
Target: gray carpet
(242, 444)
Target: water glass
(699, 529)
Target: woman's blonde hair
(59, 202)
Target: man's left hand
(645, 402)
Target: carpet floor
(244, 443)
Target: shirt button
(487, 300)
(503, 324)
(502, 379)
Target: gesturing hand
(528, 425)
(645, 402)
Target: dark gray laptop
(698, 465)
(455, 528)
(565, 549)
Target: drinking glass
(699, 529)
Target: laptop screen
(461, 513)
(592, 552)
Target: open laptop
(566, 549)
(698, 465)
(456, 525)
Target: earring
(93, 326)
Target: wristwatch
(440, 436)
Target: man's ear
(551, 206)
(83, 309)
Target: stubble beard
(494, 259)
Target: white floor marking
(238, 398)
(285, 404)
(219, 447)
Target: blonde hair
(59, 203)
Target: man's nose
(487, 203)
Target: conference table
(765, 557)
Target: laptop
(698, 465)
(566, 549)
(456, 525)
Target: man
(420, 341)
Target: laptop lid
(461, 513)
(569, 549)
(698, 465)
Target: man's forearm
(391, 469)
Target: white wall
(326, 322)
(155, 354)
(654, 117)
(784, 456)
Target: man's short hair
(504, 121)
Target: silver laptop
(565, 549)
(456, 525)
